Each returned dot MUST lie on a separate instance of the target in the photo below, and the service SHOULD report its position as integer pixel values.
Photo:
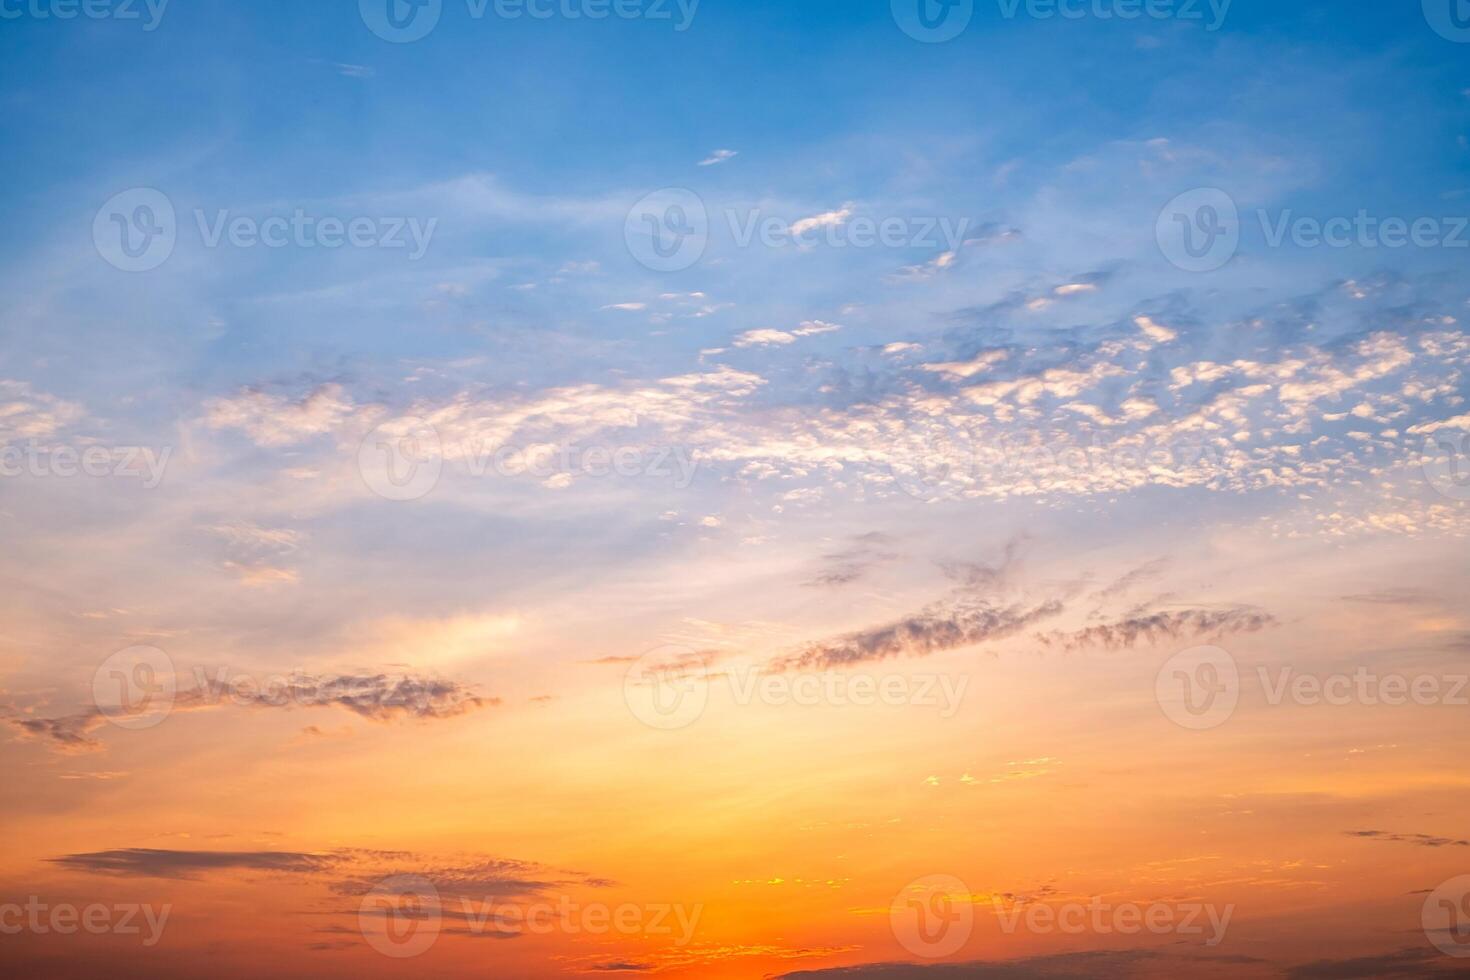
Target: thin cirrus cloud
(1418, 840)
(865, 553)
(1089, 963)
(147, 862)
(378, 697)
(1173, 625)
(357, 870)
(961, 621)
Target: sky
(879, 489)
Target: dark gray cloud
(974, 612)
(622, 966)
(866, 552)
(68, 734)
(1179, 624)
(499, 878)
(1391, 597)
(1421, 840)
(147, 862)
(988, 577)
(1099, 963)
(377, 697)
(1143, 573)
(957, 622)
(1410, 962)
(1085, 965)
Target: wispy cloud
(1152, 628)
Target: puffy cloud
(274, 420)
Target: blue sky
(834, 448)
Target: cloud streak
(1181, 624)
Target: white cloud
(764, 337)
(827, 219)
(718, 156)
(809, 328)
